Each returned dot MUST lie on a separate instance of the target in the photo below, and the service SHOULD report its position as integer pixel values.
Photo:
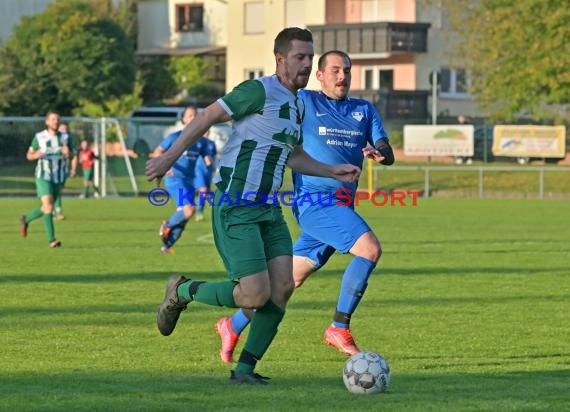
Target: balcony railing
(381, 38)
(397, 104)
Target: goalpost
(17, 133)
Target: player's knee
(259, 300)
(188, 211)
(299, 278)
(47, 208)
(373, 250)
(376, 252)
(288, 289)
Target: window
(251, 74)
(454, 82)
(189, 17)
(377, 10)
(378, 78)
(254, 18)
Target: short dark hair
(50, 112)
(323, 58)
(283, 40)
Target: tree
(157, 80)
(62, 58)
(518, 52)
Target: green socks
(262, 331)
(34, 214)
(211, 293)
(48, 223)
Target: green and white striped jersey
(51, 166)
(267, 126)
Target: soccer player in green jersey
(50, 150)
(250, 232)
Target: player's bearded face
(299, 63)
(336, 77)
(336, 83)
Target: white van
(152, 124)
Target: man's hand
(157, 167)
(372, 153)
(346, 172)
(386, 151)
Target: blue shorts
(202, 180)
(181, 192)
(326, 229)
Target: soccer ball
(366, 373)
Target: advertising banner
(529, 141)
(438, 140)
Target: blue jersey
(334, 131)
(186, 164)
(201, 167)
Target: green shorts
(248, 236)
(87, 175)
(45, 187)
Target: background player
(337, 129)
(87, 160)
(50, 151)
(180, 182)
(70, 166)
(203, 176)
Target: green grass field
(469, 305)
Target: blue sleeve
(168, 141)
(211, 149)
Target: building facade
(395, 44)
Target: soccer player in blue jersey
(249, 229)
(203, 178)
(336, 129)
(180, 181)
(70, 167)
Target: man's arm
(34, 154)
(385, 150)
(214, 113)
(301, 162)
(382, 153)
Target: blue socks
(354, 283)
(239, 321)
(177, 218)
(177, 222)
